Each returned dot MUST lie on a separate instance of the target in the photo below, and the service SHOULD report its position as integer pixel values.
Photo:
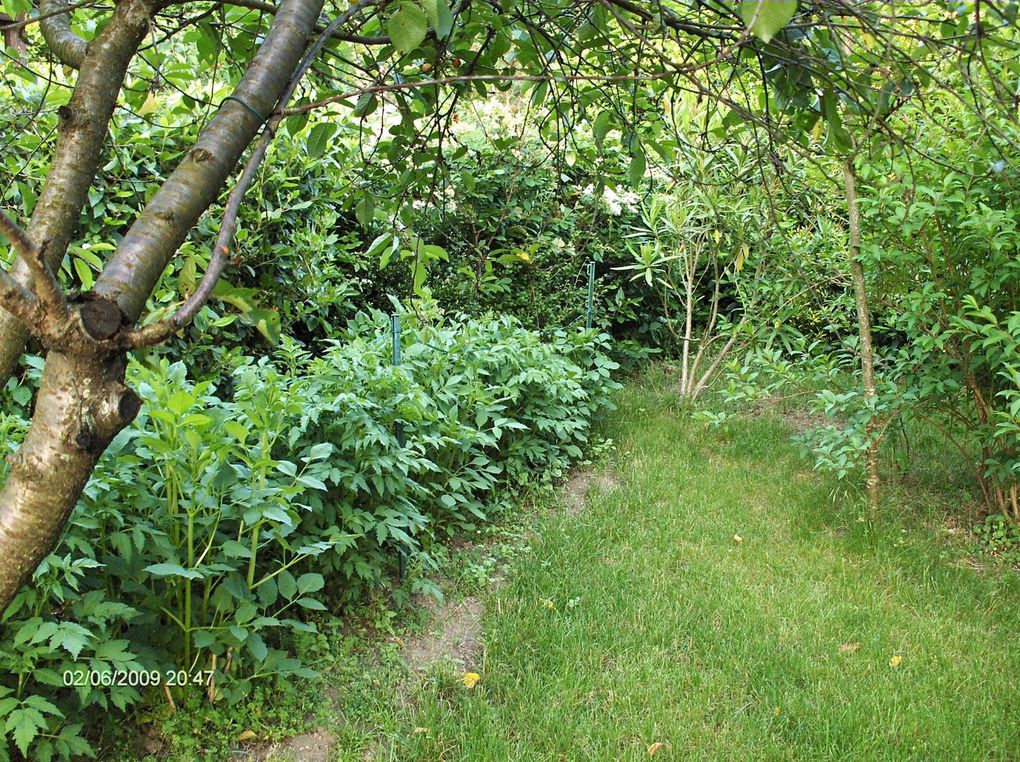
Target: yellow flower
(895, 661)
(548, 603)
(471, 679)
(777, 710)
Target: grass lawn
(642, 620)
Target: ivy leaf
(407, 27)
(766, 17)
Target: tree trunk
(81, 133)
(864, 328)
(82, 402)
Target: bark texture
(81, 133)
(83, 403)
(81, 406)
(165, 222)
(864, 329)
(68, 47)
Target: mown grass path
(642, 620)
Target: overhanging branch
(55, 23)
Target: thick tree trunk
(82, 403)
(864, 329)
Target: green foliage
(205, 540)
(766, 17)
(946, 249)
(999, 537)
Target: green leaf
(26, 724)
(378, 245)
(235, 549)
(84, 273)
(766, 17)
(637, 168)
(312, 482)
(266, 322)
(240, 298)
(320, 451)
(202, 638)
(236, 430)
(318, 139)
(440, 17)
(365, 105)
(257, 647)
(407, 27)
(172, 570)
(310, 583)
(365, 211)
(287, 584)
(601, 126)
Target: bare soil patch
(580, 483)
(316, 746)
(454, 635)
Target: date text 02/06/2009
(136, 678)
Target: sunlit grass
(644, 621)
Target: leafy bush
(204, 542)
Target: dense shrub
(207, 536)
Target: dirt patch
(798, 419)
(455, 635)
(579, 484)
(316, 746)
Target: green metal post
(591, 295)
(395, 322)
(398, 429)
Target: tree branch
(156, 333)
(336, 34)
(46, 287)
(162, 226)
(55, 24)
(82, 130)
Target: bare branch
(156, 333)
(46, 287)
(55, 23)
